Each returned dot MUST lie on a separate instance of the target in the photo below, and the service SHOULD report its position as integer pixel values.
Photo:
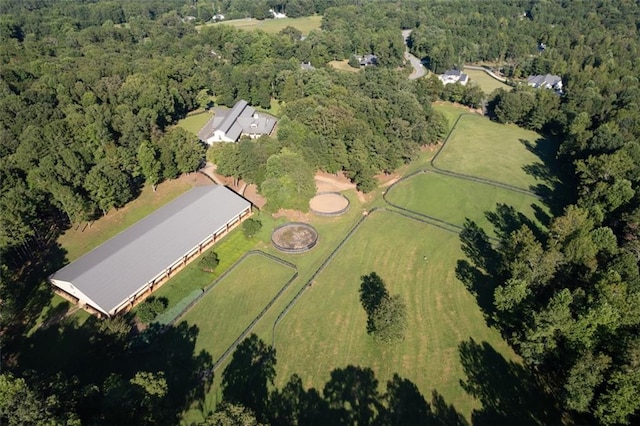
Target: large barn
(116, 275)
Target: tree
(228, 414)
(209, 261)
(386, 314)
(149, 163)
(390, 320)
(18, 404)
(151, 308)
(251, 227)
(372, 291)
(108, 186)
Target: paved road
(418, 69)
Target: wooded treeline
(89, 92)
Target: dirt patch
(326, 182)
(248, 191)
(251, 194)
(195, 179)
(329, 204)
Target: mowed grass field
(304, 24)
(487, 83)
(326, 329)
(224, 313)
(194, 123)
(453, 200)
(498, 152)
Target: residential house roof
(241, 119)
(547, 81)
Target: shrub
(151, 308)
(251, 227)
(209, 261)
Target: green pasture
(195, 122)
(224, 313)
(500, 152)
(487, 83)
(326, 329)
(453, 200)
(451, 111)
(304, 24)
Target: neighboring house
(277, 15)
(307, 66)
(367, 60)
(454, 76)
(547, 81)
(227, 125)
(125, 269)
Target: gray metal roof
(242, 118)
(117, 269)
(232, 116)
(544, 80)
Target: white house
(227, 125)
(454, 76)
(547, 81)
(277, 15)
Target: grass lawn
(499, 152)
(344, 66)
(79, 240)
(453, 200)
(326, 328)
(305, 24)
(487, 83)
(194, 123)
(224, 313)
(229, 249)
(450, 111)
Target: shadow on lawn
(554, 190)
(351, 396)
(478, 274)
(508, 392)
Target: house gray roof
(455, 73)
(547, 80)
(242, 118)
(122, 266)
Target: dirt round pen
(329, 204)
(294, 237)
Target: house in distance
(454, 76)
(547, 81)
(227, 125)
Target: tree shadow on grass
(351, 396)
(509, 392)
(555, 190)
(505, 219)
(478, 273)
(26, 292)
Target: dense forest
(90, 93)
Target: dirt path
(332, 182)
